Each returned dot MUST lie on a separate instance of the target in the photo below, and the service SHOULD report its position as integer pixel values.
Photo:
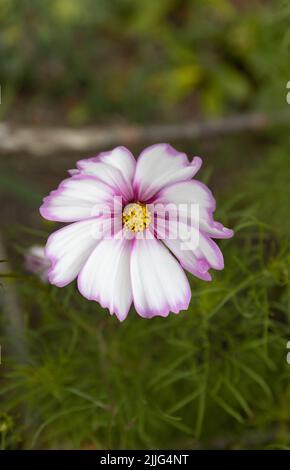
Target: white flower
(133, 230)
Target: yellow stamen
(136, 217)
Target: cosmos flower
(35, 262)
(134, 227)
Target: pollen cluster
(136, 217)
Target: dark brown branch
(47, 141)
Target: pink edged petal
(196, 252)
(68, 248)
(80, 197)
(185, 193)
(108, 174)
(105, 277)
(197, 266)
(211, 252)
(120, 159)
(212, 228)
(160, 165)
(193, 203)
(159, 283)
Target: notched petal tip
(148, 314)
(120, 316)
(196, 163)
(44, 211)
(228, 232)
(73, 172)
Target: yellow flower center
(136, 217)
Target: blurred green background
(215, 376)
(98, 60)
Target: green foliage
(213, 376)
(85, 60)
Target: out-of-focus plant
(213, 376)
(94, 59)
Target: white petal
(192, 202)
(159, 283)
(78, 198)
(69, 248)
(186, 193)
(214, 229)
(109, 174)
(160, 165)
(193, 248)
(122, 159)
(197, 266)
(106, 276)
